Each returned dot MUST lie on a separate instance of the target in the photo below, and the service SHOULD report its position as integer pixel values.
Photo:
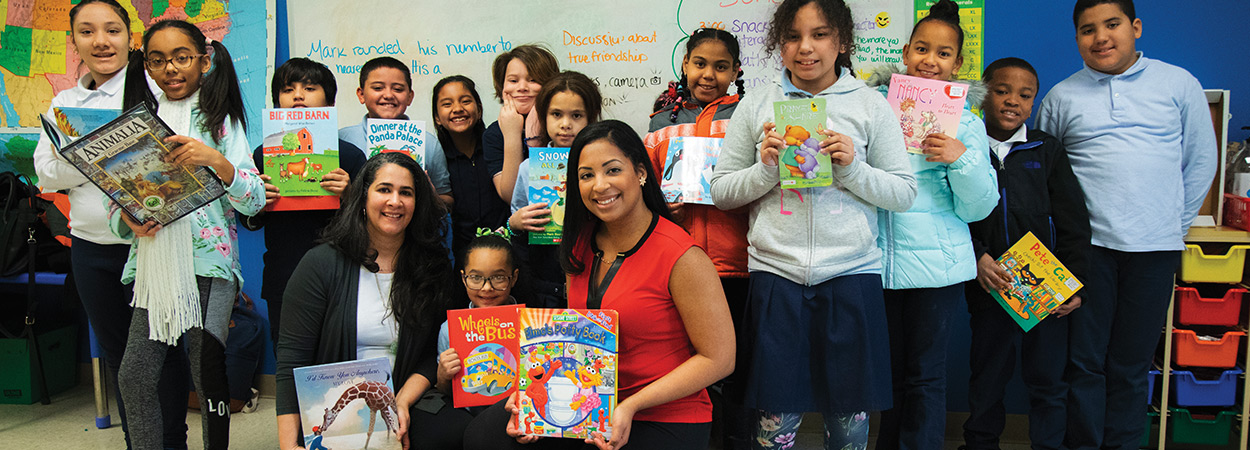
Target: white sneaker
(252, 404)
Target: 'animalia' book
(301, 145)
(568, 372)
(404, 136)
(925, 107)
(75, 122)
(801, 164)
(1039, 282)
(547, 183)
(340, 404)
(687, 172)
(486, 340)
(125, 158)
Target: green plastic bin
(1187, 429)
(58, 351)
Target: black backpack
(25, 238)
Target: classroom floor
(38, 426)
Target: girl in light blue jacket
(927, 250)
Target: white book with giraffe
(343, 405)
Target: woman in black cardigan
(390, 225)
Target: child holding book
(100, 34)
(1039, 194)
(386, 91)
(297, 83)
(815, 317)
(568, 103)
(927, 250)
(699, 106)
(1138, 132)
(186, 273)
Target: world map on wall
(37, 58)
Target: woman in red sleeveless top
(622, 252)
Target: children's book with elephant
(568, 384)
(801, 163)
(301, 145)
(342, 405)
(126, 158)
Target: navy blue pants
(98, 273)
(919, 323)
(487, 431)
(996, 339)
(1112, 340)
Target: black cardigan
(1039, 193)
(319, 325)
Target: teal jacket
(929, 244)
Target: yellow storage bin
(1198, 267)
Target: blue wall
(1204, 39)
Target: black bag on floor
(25, 238)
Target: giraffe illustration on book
(377, 396)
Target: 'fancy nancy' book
(1039, 282)
(925, 107)
(389, 135)
(126, 158)
(301, 145)
(687, 172)
(548, 170)
(799, 122)
(340, 405)
(486, 341)
(568, 372)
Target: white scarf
(165, 283)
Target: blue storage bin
(1191, 391)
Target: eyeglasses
(180, 61)
(477, 282)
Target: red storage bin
(1236, 211)
(1190, 351)
(1193, 309)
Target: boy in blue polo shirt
(1140, 140)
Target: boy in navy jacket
(1038, 193)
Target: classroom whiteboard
(632, 50)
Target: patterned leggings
(777, 431)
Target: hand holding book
(188, 151)
(838, 146)
(942, 148)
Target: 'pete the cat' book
(802, 165)
(925, 107)
(301, 145)
(486, 341)
(1039, 282)
(340, 405)
(547, 184)
(568, 372)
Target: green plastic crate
(58, 349)
(1151, 434)
(1189, 430)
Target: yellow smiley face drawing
(883, 19)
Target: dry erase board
(632, 49)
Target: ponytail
(221, 98)
(742, 89)
(136, 89)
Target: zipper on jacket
(888, 251)
(1051, 221)
(1002, 198)
(811, 234)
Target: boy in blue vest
(1139, 135)
(1038, 193)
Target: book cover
(404, 136)
(300, 146)
(342, 405)
(801, 164)
(568, 372)
(486, 340)
(925, 107)
(1039, 282)
(548, 173)
(687, 172)
(75, 122)
(125, 158)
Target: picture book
(548, 170)
(125, 158)
(802, 165)
(340, 405)
(568, 372)
(486, 340)
(301, 145)
(1039, 282)
(404, 136)
(925, 107)
(687, 172)
(75, 122)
